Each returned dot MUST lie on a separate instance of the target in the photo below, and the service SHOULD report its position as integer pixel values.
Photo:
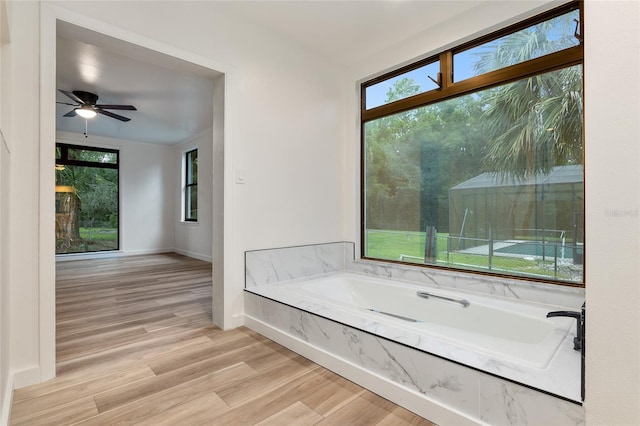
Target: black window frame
(64, 160)
(188, 164)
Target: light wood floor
(135, 346)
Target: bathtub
(497, 360)
(454, 357)
(506, 330)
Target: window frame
(188, 161)
(449, 89)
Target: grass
(99, 234)
(392, 245)
(91, 240)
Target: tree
(91, 198)
(391, 167)
(533, 124)
(414, 157)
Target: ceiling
(174, 98)
(348, 31)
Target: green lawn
(99, 234)
(91, 239)
(392, 245)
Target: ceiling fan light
(85, 112)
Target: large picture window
(86, 199)
(477, 165)
(191, 186)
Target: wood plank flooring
(135, 346)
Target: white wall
(147, 192)
(5, 382)
(612, 184)
(21, 131)
(194, 238)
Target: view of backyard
(496, 172)
(86, 199)
(521, 257)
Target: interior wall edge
(5, 409)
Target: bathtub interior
(515, 332)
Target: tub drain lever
(394, 315)
(426, 295)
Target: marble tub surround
(269, 271)
(443, 391)
(561, 377)
(283, 264)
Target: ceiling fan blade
(71, 113)
(72, 96)
(120, 107)
(67, 103)
(112, 115)
(86, 97)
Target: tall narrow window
(191, 186)
(86, 199)
(485, 173)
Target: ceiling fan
(86, 106)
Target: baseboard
(194, 255)
(118, 253)
(5, 410)
(26, 377)
(107, 254)
(411, 400)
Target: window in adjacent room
(191, 186)
(472, 159)
(87, 218)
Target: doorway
(51, 19)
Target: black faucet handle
(576, 315)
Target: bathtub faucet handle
(579, 316)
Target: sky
(560, 28)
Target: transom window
(472, 159)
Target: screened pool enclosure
(539, 217)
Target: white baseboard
(26, 377)
(116, 253)
(107, 254)
(194, 255)
(411, 400)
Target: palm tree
(534, 124)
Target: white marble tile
(504, 403)
(497, 286)
(283, 264)
(440, 380)
(289, 263)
